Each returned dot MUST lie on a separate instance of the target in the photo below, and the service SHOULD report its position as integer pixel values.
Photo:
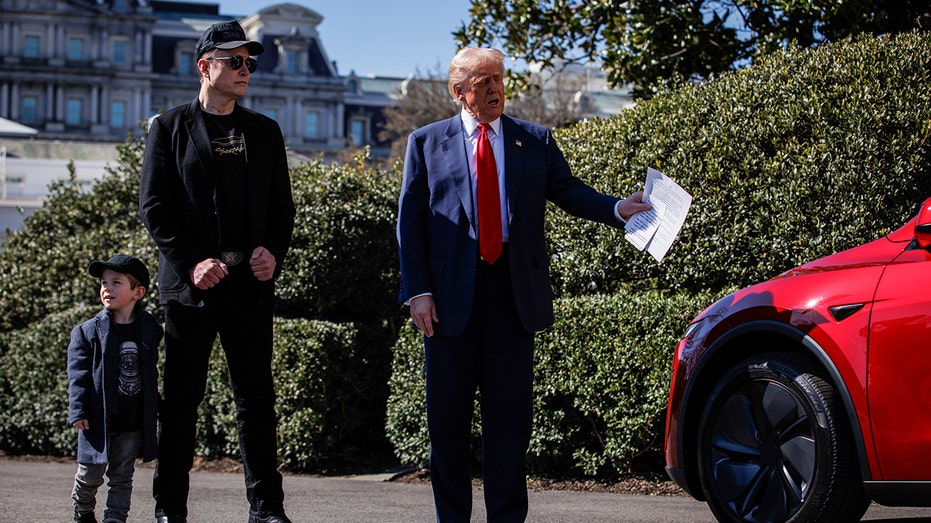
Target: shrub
(343, 261)
(406, 424)
(804, 154)
(330, 402)
(332, 385)
(602, 374)
(57, 242)
(34, 386)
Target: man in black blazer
(215, 195)
(478, 311)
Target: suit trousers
(245, 331)
(495, 356)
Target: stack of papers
(656, 229)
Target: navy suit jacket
(176, 197)
(437, 229)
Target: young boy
(113, 388)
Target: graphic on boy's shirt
(130, 377)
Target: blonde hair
(463, 65)
(133, 281)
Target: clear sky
(379, 37)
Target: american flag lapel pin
(518, 143)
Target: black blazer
(437, 227)
(176, 196)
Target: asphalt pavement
(41, 492)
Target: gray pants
(123, 449)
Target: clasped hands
(208, 273)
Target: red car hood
(848, 276)
(876, 252)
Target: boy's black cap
(123, 263)
(226, 35)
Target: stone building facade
(91, 70)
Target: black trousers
(245, 331)
(495, 356)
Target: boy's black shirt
(127, 364)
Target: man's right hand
(423, 312)
(208, 273)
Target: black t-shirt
(129, 382)
(229, 151)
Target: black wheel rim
(763, 452)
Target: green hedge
(343, 264)
(331, 394)
(406, 424)
(804, 154)
(34, 386)
(601, 383)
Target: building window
(75, 49)
(13, 185)
(73, 111)
(30, 109)
(186, 64)
(293, 62)
(357, 132)
(31, 46)
(312, 124)
(118, 114)
(119, 52)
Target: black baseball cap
(122, 263)
(226, 35)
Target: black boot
(85, 517)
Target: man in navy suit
(478, 308)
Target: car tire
(775, 446)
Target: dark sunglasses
(236, 62)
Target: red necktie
(489, 203)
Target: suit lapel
(513, 138)
(200, 141)
(103, 330)
(202, 182)
(457, 162)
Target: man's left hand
(263, 264)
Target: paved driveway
(41, 492)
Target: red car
(804, 397)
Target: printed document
(656, 229)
